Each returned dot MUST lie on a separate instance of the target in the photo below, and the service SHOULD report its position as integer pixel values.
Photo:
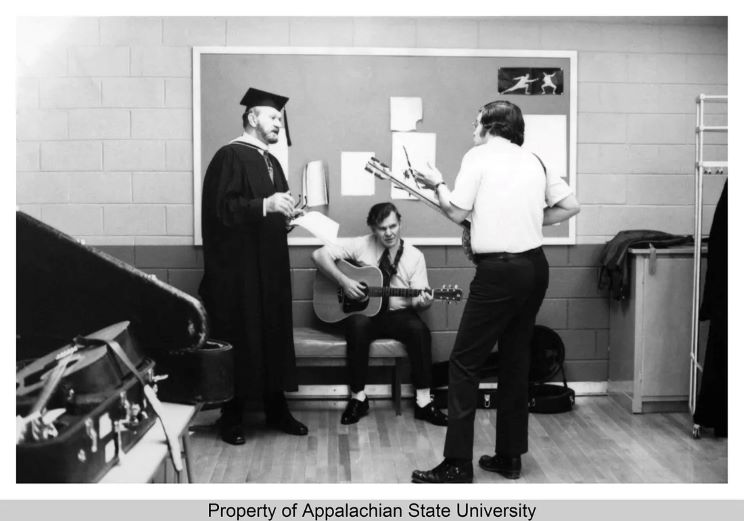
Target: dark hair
(380, 212)
(503, 118)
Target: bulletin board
(339, 101)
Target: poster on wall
(545, 135)
(527, 81)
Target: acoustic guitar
(332, 305)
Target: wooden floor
(598, 442)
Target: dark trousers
(274, 404)
(504, 299)
(403, 325)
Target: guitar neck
(382, 171)
(379, 291)
(379, 168)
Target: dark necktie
(388, 269)
(269, 166)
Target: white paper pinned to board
(545, 135)
(421, 148)
(354, 179)
(315, 184)
(405, 113)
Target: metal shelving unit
(703, 167)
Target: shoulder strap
(545, 170)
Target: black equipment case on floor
(546, 361)
(547, 357)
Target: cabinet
(650, 332)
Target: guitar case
(547, 354)
(66, 288)
(102, 410)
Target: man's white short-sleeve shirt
(506, 188)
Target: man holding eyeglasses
(246, 208)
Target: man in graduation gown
(246, 290)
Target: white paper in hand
(322, 227)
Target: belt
(505, 255)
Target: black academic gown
(246, 286)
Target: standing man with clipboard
(509, 197)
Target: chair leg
(396, 386)
(186, 444)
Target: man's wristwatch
(439, 183)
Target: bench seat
(315, 348)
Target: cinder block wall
(104, 137)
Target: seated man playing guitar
(402, 266)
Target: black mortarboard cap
(260, 98)
(256, 98)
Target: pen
(410, 169)
(408, 160)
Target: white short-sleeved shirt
(366, 251)
(507, 189)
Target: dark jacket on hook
(614, 274)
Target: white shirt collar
(247, 138)
(499, 140)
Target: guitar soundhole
(353, 305)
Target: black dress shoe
(232, 433)
(445, 472)
(509, 467)
(354, 411)
(285, 422)
(431, 414)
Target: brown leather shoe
(509, 467)
(431, 414)
(445, 472)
